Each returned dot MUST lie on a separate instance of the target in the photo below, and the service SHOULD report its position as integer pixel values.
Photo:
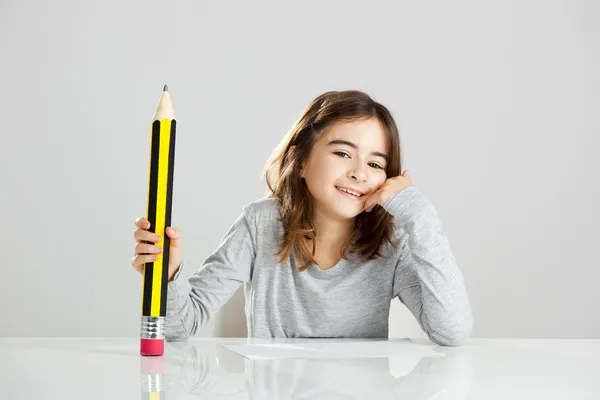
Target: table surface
(101, 368)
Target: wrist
(384, 198)
(173, 274)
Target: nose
(358, 174)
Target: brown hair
(282, 174)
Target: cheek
(378, 179)
(324, 179)
(321, 176)
(324, 171)
(312, 174)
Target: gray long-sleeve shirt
(352, 299)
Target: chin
(345, 211)
(340, 208)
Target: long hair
(284, 182)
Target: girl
(339, 235)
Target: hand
(390, 187)
(145, 251)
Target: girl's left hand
(390, 187)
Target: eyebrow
(347, 143)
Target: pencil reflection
(152, 380)
(197, 368)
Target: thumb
(175, 236)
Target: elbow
(452, 340)
(175, 327)
(176, 338)
(454, 335)
(176, 332)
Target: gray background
(497, 105)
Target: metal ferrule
(152, 327)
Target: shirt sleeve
(221, 274)
(427, 279)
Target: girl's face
(350, 156)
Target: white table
(111, 368)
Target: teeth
(349, 191)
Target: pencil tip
(166, 88)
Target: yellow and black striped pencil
(160, 194)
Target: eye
(341, 153)
(377, 166)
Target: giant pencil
(160, 193)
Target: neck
(332, 233)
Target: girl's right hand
(145, 250)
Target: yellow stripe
(154, 395)
(161, 209)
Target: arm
(222, 273)
(427, 279)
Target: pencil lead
(166, 88)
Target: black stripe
(165, 276)
(152, 193)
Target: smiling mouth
(350, 192)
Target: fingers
(142, 223)
(143, 248)
(145, 251)
(140, 260)
(370, 203)
(144, 236)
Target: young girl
(340, 234)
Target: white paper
(333, 349)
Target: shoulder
(263, 210)
(264, 221)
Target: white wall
(497, 105)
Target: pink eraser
(152, 347)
